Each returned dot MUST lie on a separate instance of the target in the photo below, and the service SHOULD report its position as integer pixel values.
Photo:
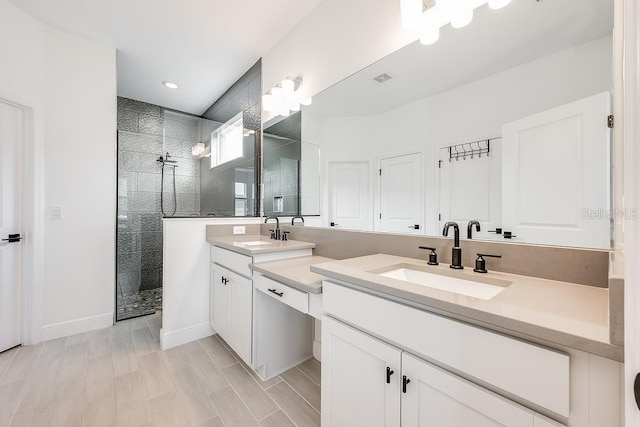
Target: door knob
(415, 227)
(389, 373)
(13, 238)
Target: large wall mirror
(290, 169)
(503, 122)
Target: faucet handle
(273, 233)
(284, 235)
(433, 256)
(481, 266)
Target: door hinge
(380, 216)
(439, 217)
(380, 172)
(439, 164)
(610, 121)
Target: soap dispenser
(481, 266)
(433, 256)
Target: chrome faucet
(297, 217)
(275, 234)
(470, 228)
(456, 251)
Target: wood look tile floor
(119, 377)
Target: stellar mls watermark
(622, 213)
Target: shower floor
(139, 304)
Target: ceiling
(495, 40)
(202, 45)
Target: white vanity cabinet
(232, 295)
(367, 382)
(457, 374)
(360, 378)
(231, 302)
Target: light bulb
(306, 101)
(295, 106)
(411, 12)
(498, 4)
(267, 102)
(276, 92)
(461, 17)
(288, 87)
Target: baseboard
(76, 326)
(317, 350)
(186, 335)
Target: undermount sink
(456, 285)
(254, 243)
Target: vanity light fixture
(170, 85)
(285, 97)
(458, 13)
(411, 12)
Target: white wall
(337, 39)
(70, 85)
(472, 111)
(185, 278)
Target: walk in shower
(158, 176)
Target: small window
(227, 142)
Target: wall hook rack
(470, 149)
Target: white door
(10, 224)
(470, 189)
(360, 378)
(434, 397)
(401, 205)
(556, 175)
(350, 196)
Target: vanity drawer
(283, 293)
(232, 260)
(528, 371)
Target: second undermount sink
(443, 282)
(255, 243)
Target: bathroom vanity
(266, 334)
(403, 352)
(404, 342)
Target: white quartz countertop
(295, 272)
(257, 244)
(545, 311)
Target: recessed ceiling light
(170, 85)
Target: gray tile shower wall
(140, 143)
(281, 163)
(145, 132)
(219, 194)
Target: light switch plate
(239, 229)
(56, 212)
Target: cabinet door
(355, 391)
(436, 398)
(219, 301)
(240, 310)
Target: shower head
(165, 160)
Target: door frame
(31, 292)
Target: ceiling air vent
(382, 78)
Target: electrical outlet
(238, 229)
